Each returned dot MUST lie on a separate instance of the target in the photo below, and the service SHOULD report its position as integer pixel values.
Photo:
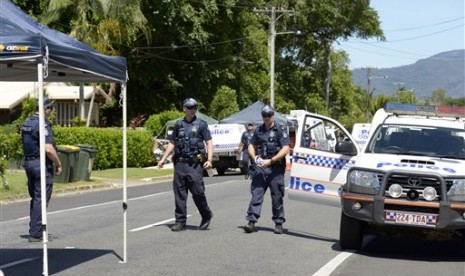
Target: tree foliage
(207, 49)
(224, 103)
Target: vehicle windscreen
(418, 140)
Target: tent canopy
(32, 52)
(24, 43)
(252, 113)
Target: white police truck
(226, 139)
(409, 178)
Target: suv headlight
(457, 190)
(364, 179)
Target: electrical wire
(425, 26)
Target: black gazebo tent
(33, 52)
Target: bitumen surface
(104, 183)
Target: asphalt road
(88, 239)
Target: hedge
(109, 144)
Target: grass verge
(17, 181)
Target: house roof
(64, 92)
(13, 93)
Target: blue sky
(414, 29)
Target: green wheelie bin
(86, 161)
(68, 156)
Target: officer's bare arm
(251, 150)
(239, 149)
(52, 155)
(168, 151)
(208, 164)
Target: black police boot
(205, 222)
(278, 229)
(39, 239)
(178, 227)
(250, 227)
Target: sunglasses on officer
(267, 115)
(190, 107)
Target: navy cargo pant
(272, 177)
(189, 177)
(245, 160)
(32, 168)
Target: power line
(174, 47)
(190, 61)
(410, 38)
(426, 35)
(425, 26)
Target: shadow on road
(29, 261)
(414, 248)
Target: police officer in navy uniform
(244, 146)
(268, 149)
(31, 148)
(190, 158)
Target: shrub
(156, 122)
(109, 143)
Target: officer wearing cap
(244, 145)
(190, 158)
(268, 149)
(31, 149)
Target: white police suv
(408, 177)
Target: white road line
(328, 268)
(97, 205)
(18, 262)
(153, 225)
(118, 201)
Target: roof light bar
(425, 110)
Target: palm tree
(105, 25)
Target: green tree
(328, 21)
(109, 26)
(438, 97)
(405, 96)
(224, 103)
(156, 123)
(105, 25)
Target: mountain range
(445, 71)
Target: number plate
(408, 218)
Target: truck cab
(408, 177)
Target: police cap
(267, 111)
(47, 103)
(250, 123)
(189, 102)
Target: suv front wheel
(351, 232)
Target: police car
(360, 132)
(226, 139)
(408, 177)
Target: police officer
(268, 149)
(31, 148)
(190, 158)
(244, 145)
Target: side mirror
(346, 148)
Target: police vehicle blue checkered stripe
(226, 146)
(322, 161)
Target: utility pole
(274, 14)
(369, 93)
